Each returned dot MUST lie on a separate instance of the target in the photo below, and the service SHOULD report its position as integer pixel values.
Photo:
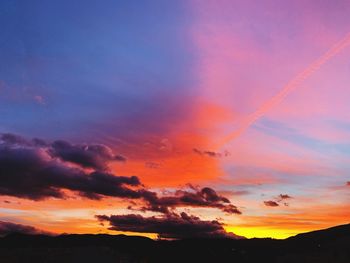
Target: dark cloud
(31, 172)
(12, 139)
(11, 228)
(348, 183)
(37, 170)
(170, 226)
(119, 158)
(205, 197)
(94, 156)
(271, 203)
(280, 199)
(284, 196)
(211, 153)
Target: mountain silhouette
(329, 245)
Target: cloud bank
(171, 226)
(36, 170)
(7, 228)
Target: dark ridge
(329, 245)
(325, 234)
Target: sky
(174, 119)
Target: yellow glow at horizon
(262, 232)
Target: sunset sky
(155, 117)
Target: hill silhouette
(329, 245)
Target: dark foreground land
(330, 245)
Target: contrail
(289, 87)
